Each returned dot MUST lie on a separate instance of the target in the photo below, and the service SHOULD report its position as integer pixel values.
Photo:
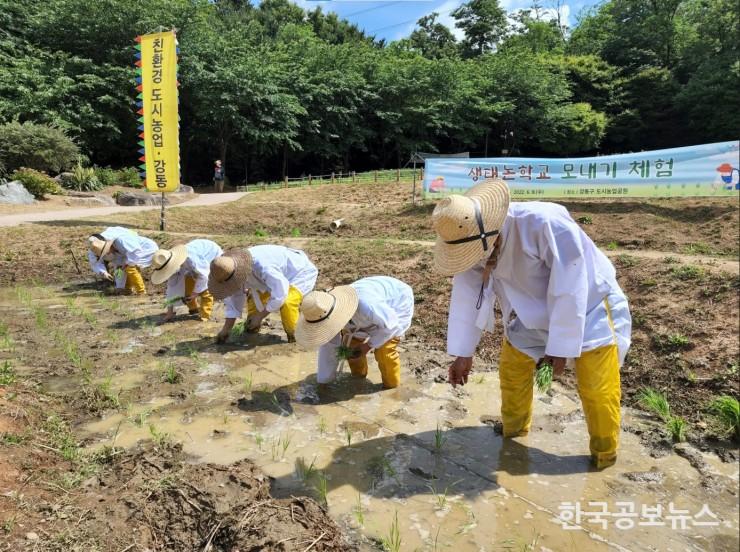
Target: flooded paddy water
(423, 461)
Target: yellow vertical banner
(158, 111)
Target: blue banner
(706, 170)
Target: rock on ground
(140, 198)
(15, 193)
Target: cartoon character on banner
(437, 185)
(729, 177)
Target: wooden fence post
(376, 176)
(398, 175)
(353, 177)
(285, 182)
(309, 179)
(332, 177)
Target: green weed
(612, 246)
(260, 233)
(322, 425)
(295, 232)
(627, 261)
(585, 219)
(654, 402)
(7, 373)
(676, 426)
(727, 411)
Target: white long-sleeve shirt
(384, 311)
(557, 291)
(274, 269)
(134, 250)
(110, 233)
(197, 266)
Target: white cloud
(445, 17)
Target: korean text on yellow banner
(158, 111)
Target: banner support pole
(161, 216)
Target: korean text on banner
(158, 111)
(706, 170)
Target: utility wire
(407, 22)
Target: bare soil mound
(154, 499)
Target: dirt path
(203, 200)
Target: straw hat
(323, 314)
(166, 262)
(229, 273)
(467, 225)
(100, 248)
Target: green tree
(484, 24)
(433, 39)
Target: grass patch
(392, 542)
(612, 246)
(669, 343)
(61, 439)
(626, 261)
(687, 272)
(727, 411)
(655, 402)
(7, 373)
(585, 219)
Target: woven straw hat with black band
(100, 247)
(323, 314)
(229, 273)
(166, 262)
(467, 225)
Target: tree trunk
(285, 159)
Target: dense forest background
(274, 89)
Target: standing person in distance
(218, 176)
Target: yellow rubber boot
(193, 303)
(289, 312)
(134, 280)
(516, 373)
(597, 372)
(206, 305)
(389, 362)
(358, 366)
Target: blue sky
(394, 19)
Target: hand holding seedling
(557, 363)
(108, 276)
(459, 371)
(168, 316)
(255, 321)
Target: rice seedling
(41, 319)
(24, 296)
(348, 435)
(304, 472)
(322, 425)
(7, 344)
(439, 439)
(160, 438)
(259, 439)
(8, 524)
(286, 443)
(239, 329)
(727, 411)
(7, 373)
(676, 426)
(654, 402)
(471, 524)
(321, 487)
(392, 542)
(247, 386)
(118, 273)
(543, 377)
(139, 418)
(170, 374)
(358, 512)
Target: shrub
(82, 179)
(36, 182)
(128, 177)
(106, 176)
(40, 147)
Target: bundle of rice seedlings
(239, 328)
(171, 302)
(655, 402)
(727, 411)
(118, 273)
(345, 352)
(543, 377)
